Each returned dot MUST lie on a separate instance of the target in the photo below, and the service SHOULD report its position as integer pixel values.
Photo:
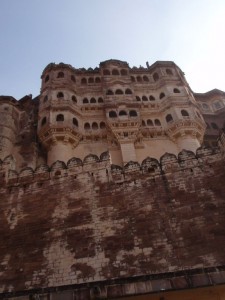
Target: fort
(112, 185)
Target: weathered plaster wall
(86, 223)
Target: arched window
(93, 100)
(122, 113)
(115, 72)
(133, 113)
(85, 100)
(139, 79)
(94, 126)
(106, 72)
(128, 92)
(109, 92)
(47, 78)
(87, 126)
(97, 80)
(169, 118)
(83, 81)
(169, 72)
(205, 106)
(43, 122)
(217, 105)
(90, 80)
(176, 91)
(60, 118)
(112, 114)
(60, 75)
(143, 123)
(100, 100)
(119, 92)
(73, 78)
(184, 113)
(123, 72)
(156, 76)
(102, 125)
(74, 99)
(161, 96)
(60, 95)
(75, 122)
(46, 98)
(214, 126)
(157, 122)
(133, 79)
(144, 98)
(138, 98)
(145, 78)
(151, 98)
(149, 122)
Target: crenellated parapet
(100, 168)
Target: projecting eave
(161, 63)
(54, 66)
(18, 103)
(214, 92)
(7, 98)
(114, 62)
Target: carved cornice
(51, 135)
(125, 130)
(182, 127)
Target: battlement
(101, 169)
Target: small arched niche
(122, 113)
(157, 122)
(106, 72)
(119, 92)
(149, 122)
(75, 122)
(43, 122)
(87, 126)
(184, 113)
(60, 118)
(112, 114)
(94, 126)
(128, 92)
(133, 113)
(60, 95)
(169, 118)
(156, 76)
(60, 75)
(115, 72)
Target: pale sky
(83, 33)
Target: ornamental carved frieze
(51, 135)
(182, 127)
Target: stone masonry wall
(89, 221)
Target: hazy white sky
(83, 33)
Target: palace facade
(112, 185)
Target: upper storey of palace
(114, 82)
(130, 112)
